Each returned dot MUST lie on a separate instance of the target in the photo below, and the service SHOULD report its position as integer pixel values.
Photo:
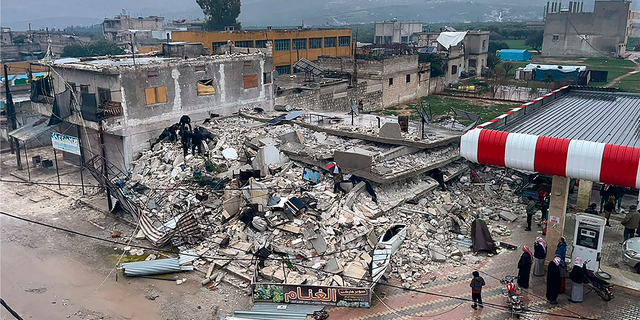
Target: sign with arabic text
(320, 295)
(65, 143)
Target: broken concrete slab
(390, 130)
(437, 254)
(334, 265)
(293, 136)
(353, 162)
(354, 270)
(230, 154)
(319, 244)
(507, 215)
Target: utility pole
(105, 170)
(11, 113)
(355, 61)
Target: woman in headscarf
(524, 267)
(578, 277)
(553, 280)
(539, 254)
(561, 252)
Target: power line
(500, 307)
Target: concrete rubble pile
(250, 198)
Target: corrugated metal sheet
(273, 311)
(151, 267)
(32, 129)
(605, 117)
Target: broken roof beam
(356, 135)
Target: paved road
(49, 274)
(403, 304)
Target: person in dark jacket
(531, 209)
(539, 254)
(476, 290)
(604, 195)
(609, 207)
(619, 193)
(553, 280)
(524, 267)
(196, 141)
(578, 277)
(561, 253)
(185, 138)
(591, 209)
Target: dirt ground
(50, 274)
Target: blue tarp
(514, 55)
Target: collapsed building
(292, 201)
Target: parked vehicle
(631, 253)
(387, 246)
(512, 294)
(603, 288)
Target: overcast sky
(60, 13)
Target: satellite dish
(354, 108)
(423, 115)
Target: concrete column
(557, 213)
(584, 194)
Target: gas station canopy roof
(571, 132)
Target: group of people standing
(188, 137)
(556, 270)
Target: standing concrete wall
(603, 32)
(404, 72)
(144, 122)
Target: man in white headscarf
(578, 277)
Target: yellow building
(289, 46)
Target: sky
(61, 13)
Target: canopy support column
(557, 213)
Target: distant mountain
(61, 13)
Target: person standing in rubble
(524, 267)
(196, 142)
(531, 209)
(476, 290)
(539, 254)
(168, 133)
(185, 137)
(553, 281)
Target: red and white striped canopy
(578, 159)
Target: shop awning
(31, 130)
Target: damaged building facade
(382, 81)
(572, 32)
(289, 45)
(135, 102)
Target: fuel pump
(587, 239)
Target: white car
(631, 253)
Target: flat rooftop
(581, 114)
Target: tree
(97, 48)
(492, 61)
(534, 40)
(437, 63)
(19, 39)
(497, 45)
(220, 13)
(508, 66)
